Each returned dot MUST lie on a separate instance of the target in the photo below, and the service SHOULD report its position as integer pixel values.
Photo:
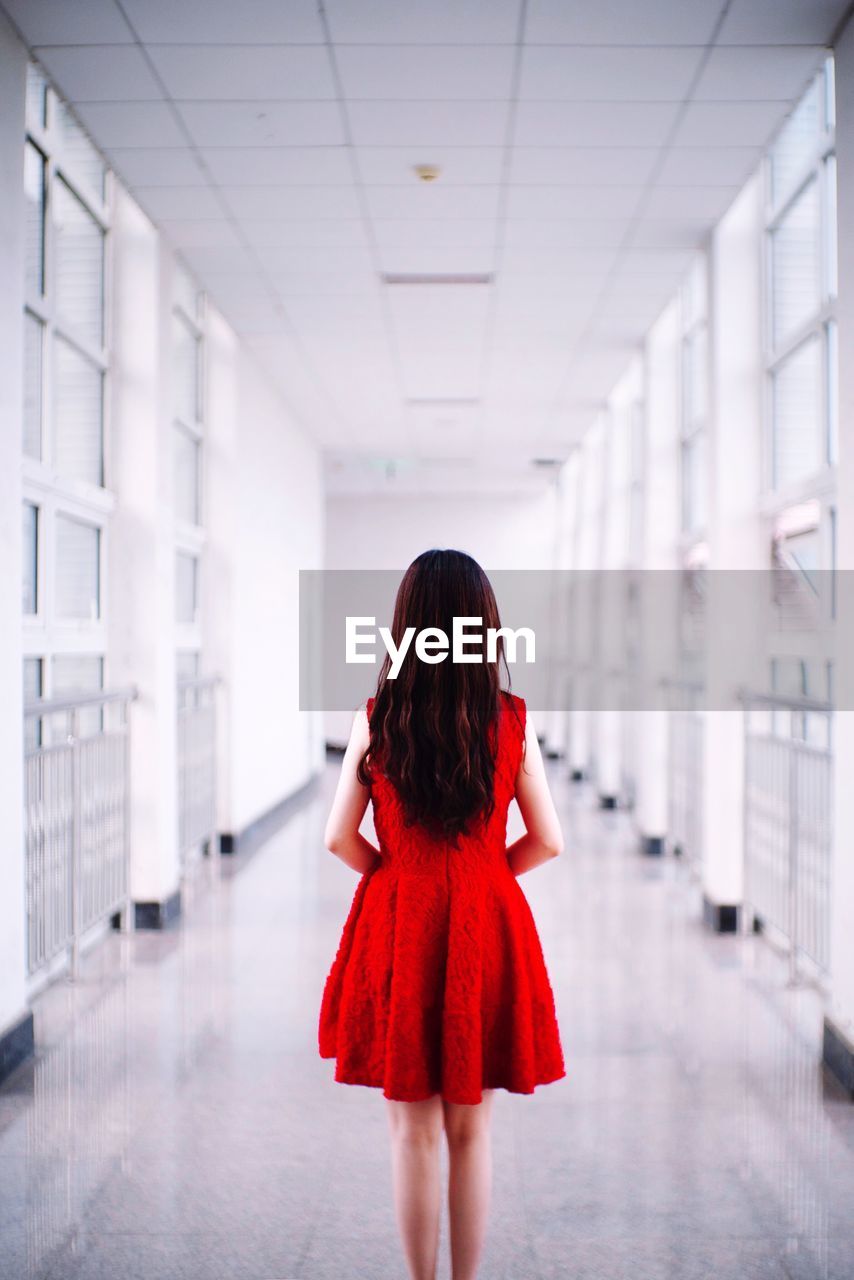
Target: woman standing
(439, 993)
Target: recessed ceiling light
(426, 172)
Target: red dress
(439, 983)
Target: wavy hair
(433, 729)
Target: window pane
(33, 687)
(795, 264)
(798, 437)
(797, 139)
(830, 230)
(77, 569)
(78, 415)
(187, 459)
(694, 482)
(30, 558)
(186, 587)
(33, 347)
(75, 673)
(36, 96)
(78, 155)
(34, 193)
(187, 664)
(186, 371)
(186, 293)
(694, 293)
(832, 377)
(694, 372)
(79, 266)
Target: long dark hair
(433, 728)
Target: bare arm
(543, 838)
(342, 836)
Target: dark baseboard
(838, 1056)
(721, 917)
(652, 846)
(607, 802)
(16, 1045)
(576, 775)
(255, 833)
(158, 915)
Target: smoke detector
(426, 172)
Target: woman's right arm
(342, 836)
(543, 838)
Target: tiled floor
(178, 1124)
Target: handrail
(51, 706)
(785, 702)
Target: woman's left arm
(342, 836)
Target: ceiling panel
(699, 204)
(200, 233)
(591, 124)
(622, 22)
(718, 166)
(316, 283)
(594, 75)
(278, 166)
(439, 334)
(744, 75)
(553, 235)
(413, 71)
(668, 233)
(292, 202)
(428, 124)
(439, 22)
(727, 124)
(459, 166)
(416, 256)
(58, 22)
(781, 21)
(432, 200)
(263, 124)
(303, 231)
(580, 166)
(100, 72)
(269, 21)
(179, 202)
(131, 124)
(158, 166)
(331, 259)
(572, 202)
(241, 71)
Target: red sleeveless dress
(439, 984)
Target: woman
(439, 994)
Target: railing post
(74, 742)
(746, 910)
(793, 854)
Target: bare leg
(416, 1131)
(469, 1183)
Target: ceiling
(584, 150)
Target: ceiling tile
(428, 124)
(572, 202)
(278, 166)
(449, 257)
(622, 22)
(567, 73)
(312, 231)
(131, 124)
(200, 233)
(578, 166)
(729, 124)
(292, 202)
(262, 124)
(459, 166)
(668, 233)
(724, 166)
(407, 233)
(157, 167)
(431, 200)
(216, 260)
(413, 72)
(179, 202)
(269, 21)
(698, 203)
(58, 22)
(246, 72)
(638, 124)
(439, 22)
(440, 333)
(317, 283)
(99, 73)
(781, 21)
(748, 74)
(331, 259)
(553, 234)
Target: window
(695, 396)
(188, 453)
(187, 467)
(65, 337)
(33, 690)
(800, 326)
(186, 587)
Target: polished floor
(178, 1124)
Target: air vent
(390, 277)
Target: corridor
(178, 1124)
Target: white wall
(12, 909)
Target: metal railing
(685, 755)
(788, 823)
(76, 820)
(196, 763)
